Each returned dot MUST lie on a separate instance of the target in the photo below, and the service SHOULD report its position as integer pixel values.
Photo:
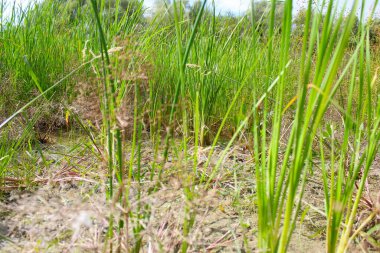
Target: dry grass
(65, 215)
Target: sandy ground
(72, 215)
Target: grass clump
(193, 86)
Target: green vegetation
(301, 94)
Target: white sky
(224, 6)
(240, 6)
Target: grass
(192, 82)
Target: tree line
(259, 13)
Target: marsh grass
(211, 80)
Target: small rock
(4, 230)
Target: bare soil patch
(72, 215)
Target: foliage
(214, 81)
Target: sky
(241, 6)
(233, 6)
